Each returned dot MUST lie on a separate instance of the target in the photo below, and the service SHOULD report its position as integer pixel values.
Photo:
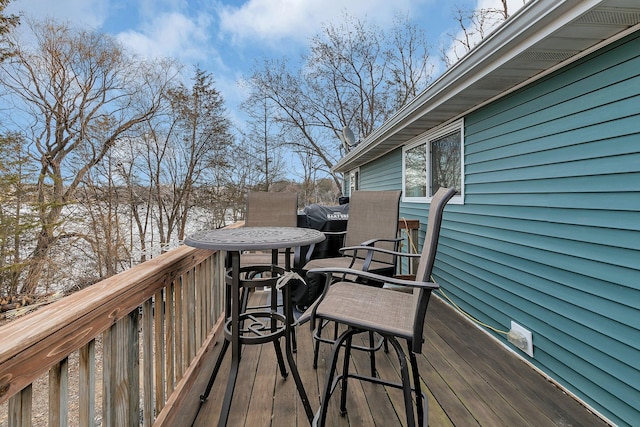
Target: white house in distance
(538, 128)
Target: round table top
(254, 238)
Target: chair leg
(214, 374)
(294, 341)
(321, 417)
(316, 346)
(345, 375)
(406, 383)
(372, 353)
(283, 368)
(416, 383)
(274, 326)
(244, 299)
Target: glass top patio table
(234, 241)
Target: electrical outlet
(521, 338)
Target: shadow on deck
(469, 378)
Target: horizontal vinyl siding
(549, 235)
(382, 174)
(386, 174)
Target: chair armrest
(372, 249)
(378, 277)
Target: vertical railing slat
(178, 327)
(107, 368)
(58, 394)
(132, 366)
(184, 322)
(20, 408)
(87, 384)
(147, 363)
(158, 317)
(208, 317)
(198, 306)
(191, 316)
(170, 345)
(119, 391)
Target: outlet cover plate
(527, 334)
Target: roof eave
(536, 22)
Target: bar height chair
(390, 313)
(266, 209)
(373, 222)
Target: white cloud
(88, 12)
(171, 35)
(296, 20)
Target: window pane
(354, 180)
(445, 162)
(416, 171)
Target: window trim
(426, 138)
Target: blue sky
(226, 37)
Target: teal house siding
(549, 235)
(382, 174)
(549, 232)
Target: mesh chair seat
(378, 309)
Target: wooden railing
(150, 324)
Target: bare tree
(178, 152)
(473, 26)
(76, 95)
(106, 227)
(201, 142)
(264, 142)
(354, 75)
(133, 171)
(409, 61)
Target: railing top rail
(42, 338)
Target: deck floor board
(469, 379)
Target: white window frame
(426, 139)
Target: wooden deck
(470, 381)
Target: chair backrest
(373, 215)
(271, 209)
(427, 259)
